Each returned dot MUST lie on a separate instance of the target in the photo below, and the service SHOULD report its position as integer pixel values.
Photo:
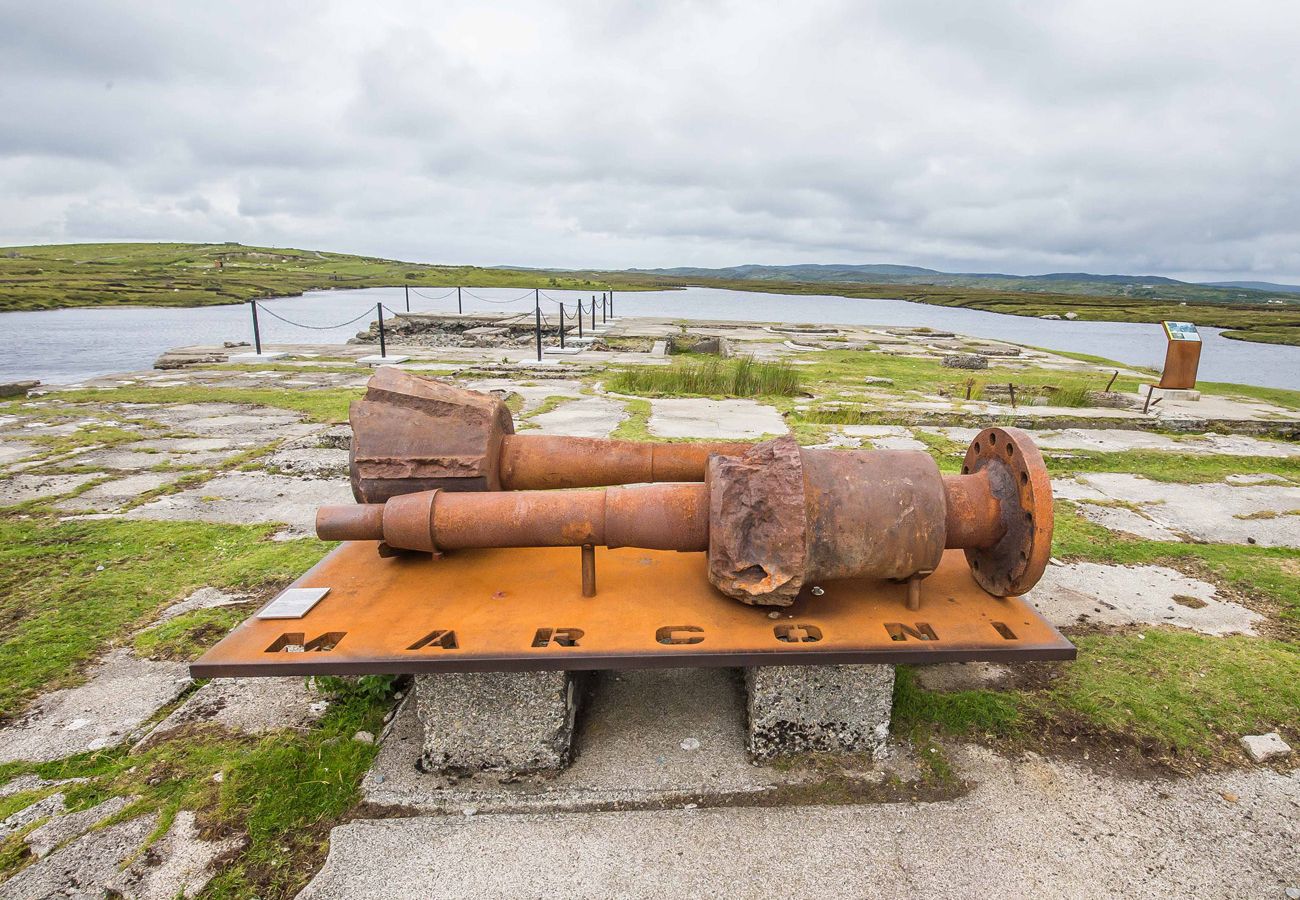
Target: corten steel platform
(523, 609)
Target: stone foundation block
(827, 709)
(512, 722)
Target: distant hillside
(1257, 286)
(1150, 287)
(61, 275)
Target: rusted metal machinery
(416, 434)
(773, 520)
(458, 559)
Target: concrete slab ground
(885, 437)
(714, 419)
(1028, 828)
(15, 489)
(246, 705)
(1264, 514)
(1133, 595)
(240, 498)
(1120, 440)
(113, 495)
(120, 693)
(585, 417)
(654, 737)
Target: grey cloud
(1005, 135)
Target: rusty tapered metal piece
(773, 520)
(414, 434)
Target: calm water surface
(67, 345)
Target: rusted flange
(1018, 478)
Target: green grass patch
(1183, 468)
(961, 712)
(186, 636)
(636, 426)
(284, 791)
(1185, 692)
(327, 405)
(58, 607)
(712, 377)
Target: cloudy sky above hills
(1155, 137)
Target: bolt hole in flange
(1018, 559)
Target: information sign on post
(1182, 356)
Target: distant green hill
(1151, 287)
(61, 275)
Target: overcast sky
(1156, 136)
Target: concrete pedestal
(512, 722)
(828, 709)
(1159, 393)
(375, 359)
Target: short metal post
(588, 570)
(383, 347)
(257, 332)
(593, 312)
(407, 289)
(537, 324)
(561, 326)
(579, 320)
(459, 309)
(602, 309)
(611, 301)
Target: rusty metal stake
(588, 570)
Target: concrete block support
(828, 709)
(512, 722)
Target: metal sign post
(1182, 357)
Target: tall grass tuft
(740, 377)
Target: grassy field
(1274, 324)
(50, 277)
(54, 276)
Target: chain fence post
(459, 309)
(257, 332)
(579, 320)
(561, 326)
(611, 301)
(407, 289)
(593, 312)
(602, 309)
(537, 321)
(383, 346)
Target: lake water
(66, 345)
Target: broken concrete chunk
(1263, 747)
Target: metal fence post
(593, 312)
(611, 301)
(561, 326)
(459, 309)
(537, 323)
(383, 347)
(602, 309)
(407, 289)
(257, 332)
(579, 320)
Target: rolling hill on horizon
(1142, 286)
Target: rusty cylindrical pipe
(543, 462)
(653, 517)
(412, 434)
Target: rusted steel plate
(523, 609)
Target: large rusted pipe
(412, 434)
(653, 517)
(543, 462)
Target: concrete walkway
(1029, 828)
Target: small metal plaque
(293, 603)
